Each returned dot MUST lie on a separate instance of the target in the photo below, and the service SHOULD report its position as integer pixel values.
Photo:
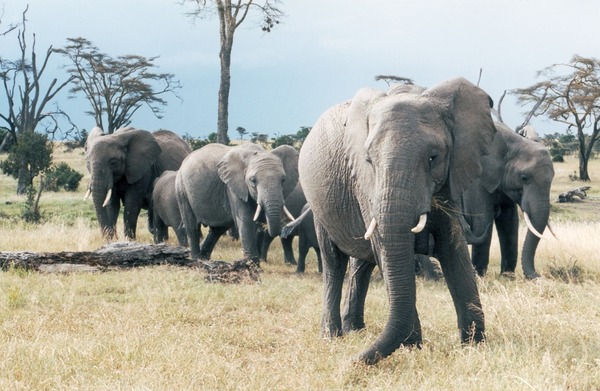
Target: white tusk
(371, 229)
(288, 214)
(107, 199)
(551, 230)
(87, 194)
(419, 227)
(530, 226)
(257, 212)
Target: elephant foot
(509, 275)
(353, 326)
(290, 262)
(532, 276)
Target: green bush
(558, 158)
(62, 177)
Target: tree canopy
(570, 94)
(116, 88)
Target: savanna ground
(166, 328)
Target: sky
(322, 53)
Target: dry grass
(166, 328)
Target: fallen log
(111, 256)
(579, 192)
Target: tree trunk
(23, 181)
(583, 167)
(227, 29)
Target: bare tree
(389, 79)
(231, 15)
(10, 27)
(116, 88)
(26, 99)
(572, 98)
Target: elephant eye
(433, 158)
(525, 178)
(253, 180)
(368, 159)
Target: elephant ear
(142, 152)
(471, 127)
(289, 159)
(232, 168)
(357, 126)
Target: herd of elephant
(380, 178)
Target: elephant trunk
(538, 212)
(393, 242)
(101, 185)
(271, 202)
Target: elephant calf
(304, 228)
(166, 210)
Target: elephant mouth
(285, 210)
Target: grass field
(166, 328)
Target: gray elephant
(370, 169)
(294, 203)
(518, 171)
(165, 210)
(123, 167)
(223, 187)
(304, 228)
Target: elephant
(165, 210)
(304, 228)
(225, 187)
(294, 203)
(518, 171)
(371, 169)
(123, 166)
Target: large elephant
(517, 171)
(165, 210)
(123, 166)
(370, 168)
(294, 203)
(222, 187)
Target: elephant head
(521, 170)
(125, 156)
(370, 169)
(256, 176)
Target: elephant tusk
(371, 229)
(87, 194)
(530, 226)
(288, 214)
(551, 230)
(258, 209)
(419, 227)
(107, 199)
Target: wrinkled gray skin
(294, 203)
(127, 162)
(165, 210)
(518, 172)
(220, 187)
(384, 156)
(304, 227)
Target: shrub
(62, 177)
(558, 158)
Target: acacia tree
(27, 99)
(231, 15)
(570, 94)
(116, 88)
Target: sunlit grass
(166, 328)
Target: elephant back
(173, 151)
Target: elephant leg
(454, 259)
(288, 251)
(319, 261)
(113, 209)
(354, 307)
(302, 251)
(161, 231)
(181, 236)
(263, 241)
(507, 225)
(131, 211)
(208, 244)
(480, 254)
(334, 269)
